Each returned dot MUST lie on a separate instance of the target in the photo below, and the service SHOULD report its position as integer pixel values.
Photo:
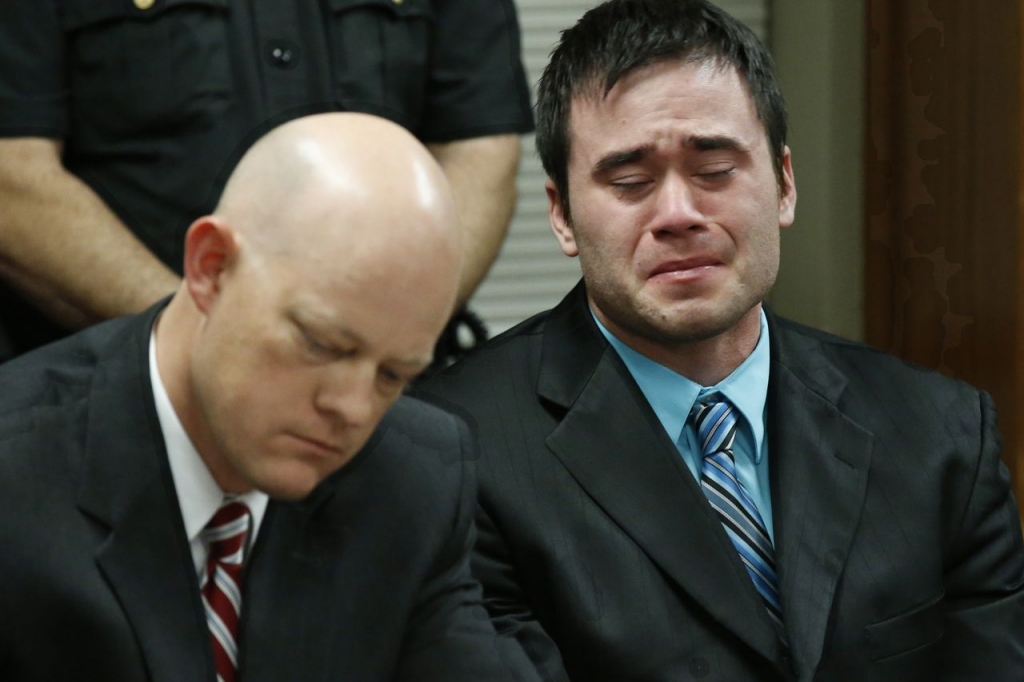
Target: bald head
(367, 168)
(312, 296)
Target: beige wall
(819, 48)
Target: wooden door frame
(944, 267)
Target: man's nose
(676, 205)
(348, 391)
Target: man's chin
(689, 322)
(288, 486)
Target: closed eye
(391, 381)
(630, 187)
(716, 176)
(716, 170)
(628, 179)
(321, 350)
(314, 345)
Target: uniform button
(699, 667)
(283, 54)
(144, 4)
(398, 2)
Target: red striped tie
(222, 584)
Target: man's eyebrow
(716, 143)
(700, 143)
(617, 159)
(307, 323)
(311, 322)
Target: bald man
(229, 486)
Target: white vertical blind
(531, 274)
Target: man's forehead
(596, 93)
(598, 85)
(595, 110)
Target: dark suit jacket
(367, 579)
(898, 542)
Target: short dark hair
(621, 36)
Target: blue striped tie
(716, 424)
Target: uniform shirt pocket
(380, 56)
(141, 72)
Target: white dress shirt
(199, 496)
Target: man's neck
(703, 361)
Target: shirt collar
(199, 496)
(671, 395)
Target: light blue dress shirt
(671, 396)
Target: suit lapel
(303, 553)
(286, 579)
(614, 446)
(819, 477)
(127, 488)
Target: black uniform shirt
(157, 99)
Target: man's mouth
(684, 266)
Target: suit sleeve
(984, 581)
(507, 603)
(451, 636)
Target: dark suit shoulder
(435, 441)
(808, 350)
(508, 344)
(513, 355)
(63, 371)
(422, 422)
(420, 454)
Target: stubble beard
(671, 325)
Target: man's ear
(561, 224)
(787, 195)
(211, 247)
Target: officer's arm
(482, 172)
(63, 248)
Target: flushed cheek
(282, 457)
(616, 252)
(289, 474)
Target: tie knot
(226, 531)
(715, 421)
